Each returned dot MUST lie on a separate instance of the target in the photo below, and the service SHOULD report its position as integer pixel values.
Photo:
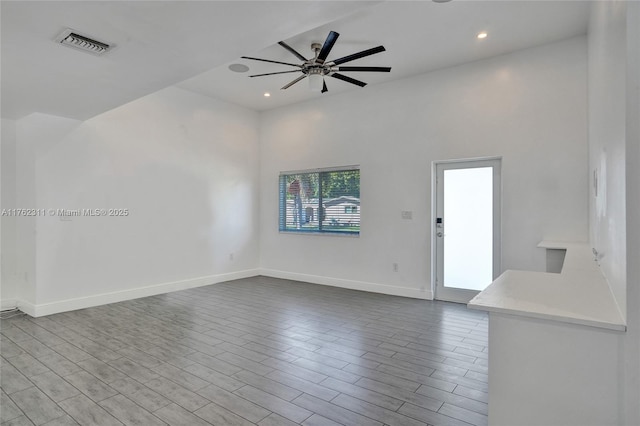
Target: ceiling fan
(318, 67)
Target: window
(325, 200)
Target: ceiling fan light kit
(315, 80)
(317, 67)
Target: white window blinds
(320, 201)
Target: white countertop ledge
(579, 294)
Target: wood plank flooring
(257, 351)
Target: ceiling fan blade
(326, 48)
(273, 73)
(292, 50)
(324, 87)
(373, 69)
(348, 79)
(293, 82)
(270, 61)
(358, 55)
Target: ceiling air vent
(72, 39)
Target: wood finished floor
(255, 351)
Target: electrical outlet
(395, 267)
(230, 256)
(406, 214)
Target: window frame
(282, 201)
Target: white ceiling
(191, 44)
(419, 36)
(158, 44)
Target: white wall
(184, 165)
(36, 134)
(528, 107)
(607, 85)
(631, 373)
(614, 144)
(8, 287)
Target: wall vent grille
(77, 41)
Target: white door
(467, 227)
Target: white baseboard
(26, 307)
(8, 304)
(38, 310)
(350, 284)
(135, 293)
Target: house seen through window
(324, 200)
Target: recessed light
(482, 35)
(238, 68)
(267, 94)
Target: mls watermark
(65, 212)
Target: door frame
(453, 294)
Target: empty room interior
(320, 213)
